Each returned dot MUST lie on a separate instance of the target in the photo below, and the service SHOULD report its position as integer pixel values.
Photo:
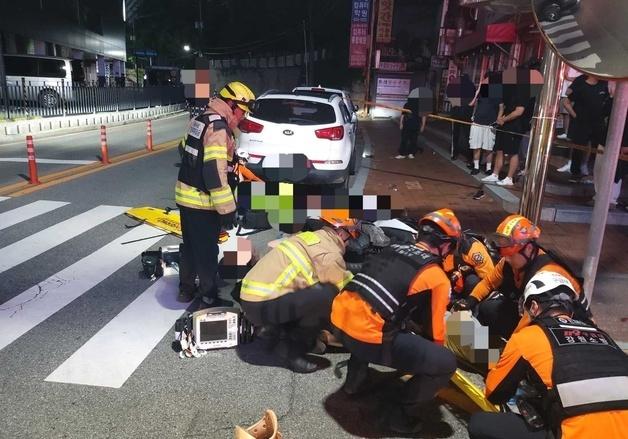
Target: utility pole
(312, 65)
(305, 56)
(369, 61)
(3, 79)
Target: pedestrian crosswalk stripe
(575, 48)
(31, 307)
(38, 243)
(23, 213)
(588, 62)
(568, 36)
(4, 198)
(111, 356)
(561, 27)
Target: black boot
(291, 354)
(357, 373)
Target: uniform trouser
(200, 230)
(485, 425)
(500, 314)
(430, 364)
(409, 139)
(299, 315)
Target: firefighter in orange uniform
(370, 317)
(578, 374)
(470, 264)
(291, 288)
(522, 257)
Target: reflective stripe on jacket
(530, 352)
(296, 263)
(216, 146)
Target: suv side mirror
(355, 107)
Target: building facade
(91, 33)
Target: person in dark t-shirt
(586, 100)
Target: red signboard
(384, 21)
(358, 45)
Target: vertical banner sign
(358, 46)
(384, 21)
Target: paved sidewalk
(431, 181)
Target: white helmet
(549, 286)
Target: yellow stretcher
(167, 220)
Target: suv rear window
(294, 111)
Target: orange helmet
(513, 233)
(447, 223)
(350, 225)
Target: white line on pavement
(111, 356)
(31, 307)
(53, 236)
(23, 213)
(4, 198)
(48, 161)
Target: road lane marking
(16, 216)
(4, 198)
(575, 48)
(111, 356)
(565, 26)
(48, 161)
(53, 236)
(568, 36)
(31, 307)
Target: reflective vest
(193, 154)
(589, 374)
(385, 278)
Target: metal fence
(25, 100)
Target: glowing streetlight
(186, 47)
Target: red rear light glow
(332, 133)
(248, 126)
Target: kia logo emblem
(288, 132)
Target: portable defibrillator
(212, 328)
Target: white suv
(326, 92)
(300, 139)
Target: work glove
(464, 304)
(228, 220)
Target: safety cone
(265, 428)
(104, 151)
(32, 162)
(149, 135)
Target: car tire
(352, 163)
(551, 12)
(49, 98)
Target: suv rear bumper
(313, 175)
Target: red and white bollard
(149, 135)
(32, 163)
(104, 151)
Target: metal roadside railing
(24, 100)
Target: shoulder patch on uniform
(214, 117)
(477, 258)
(310, 238)
(196, 129)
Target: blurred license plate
(285, 161)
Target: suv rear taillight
(248, 126)
(332, 133)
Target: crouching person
(291, 289)
(577, 375)
(372, 313)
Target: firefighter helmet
(549, 286)
(239, 93)
(514, 233)
(350, 225)
(449, 228)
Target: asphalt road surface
(69, 150)
(85, 345)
